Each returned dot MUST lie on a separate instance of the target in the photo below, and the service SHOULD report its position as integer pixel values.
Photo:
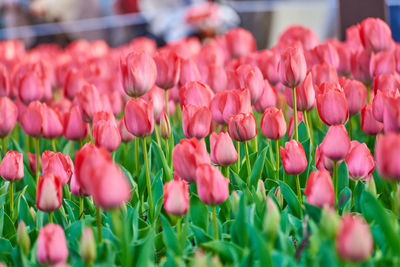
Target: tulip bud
(375, 35)
(196, 121)
(292, 67)
(23, 238)
(126, 136)
(242, 127)
(332, 107)
(12, 166)
(279, 197)
(195, 93)
(168, 68)
(329, 222)
(240, 42)
(369, 125)
(387, 151)
(212, 186)
(165, 126)
(176, 197)
(293, 157)
(250, 77)
(359, 161)
(30, 87)
(88, 246)
(260, 190)
(51, 245)
(305, 94)
(58, 164)
(31, 119)
(273, 124)
(235, 199)
(9, 115)
(222, 150)
(105, 133)
(319, 189)
(74, 127)
(272, 219)
(356, 95)
(336, 143)
(139, 118)
(49, 193)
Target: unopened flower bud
(165, 127)
(370, 186)
(260, 190)
(279, 196)
(88, 246)
(23, 238)
(33, 213)
(272, 219)
(329, 222)
(235, 199)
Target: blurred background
(118, 21)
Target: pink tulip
(32, 161)
(322, 162)
(268, 98)
(196, 121)
(58, 164)
(242, 127)
(356, 95)
(189, 72)
(139, 117)
(322, 73)
(52, 123)
(293, 157)
(9, 115)
(195, 93)
(74, 127)
(176, 197)
(126, 136)
(116, 102)
(354, 241)
(391, 114)
(30, 87)
(222, 150)
(187, 156)
(382, 63)
(359, 161)
(168, 68)
(250, 77)
(89, 101)
(51, 245)
(240, 42)
(12, 166)
(268, 62)
(385, 82)
(359, 63)
(387, 151)
(378, 103)
(292, 67)
(212, 186)
(305, 94)
(344, 54)
(375, 35)
(138, 73)
(319, 189)
(74, 82)
(326, 53)
(75, 188)
(105, 133)
(353, 38)
(332, 107)
(227, 103)
(31, 119)
(49, 193)
(369, 125)
(5, 83)
(336, 143)
(215, 76)
(273, 124)
(211, 53)
(307, 38)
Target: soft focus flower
(250, 77)
(90, 102)
(195, 93)
(336, 143)
(126, 136)
(293, 157)
(369, 125)
(360, 161)
(12, 166)
(9, 115)
(31, 119)
(222, 150)
(168, 68)
(212, 186)
(176, 197)
(49, 193)
(189, 71)
(273, 124)
(319, 189)
(88, 245)
(375, 35)
(196, 121)
(52, 123)
(240, 42)
(268, 98)
(356, 95)
(51, 245)
(139, 118)
(105, 133)
(387, 153)
(74, 127)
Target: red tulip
(139, 117)
(176, 197)
(5, 85)
(292, 67)
(332, 107)
(305, 94)
(49, 193)
(354, 241)
(336, 143)
(382, 63)
(30, 87)
(195, 93)
(319, 189)
(168, 68)
(89, 101)
(307, 38)
(242, 127)
(222, 150)
(391, 114)
(9, 115)
(51, 245)
(138, 73)
(12, 166)
(353, 38)
(215, 76)
(369, 125)
(385, 82)
(268, 62)
(240, 42)
(359, 161)
(196, 121)
(227, 103)
(375, 35)
(273, 124)
(356, 95)
(322, 73)
(105, 132)
(359, 63)
(212, 186)
(126, 136)
(74, 81)
(187, 156)
(387, 153)
(189, 72)
(268, 98)
(250, 77)
(293, 157)
(74, 127)
(52, 123)
(326, 53)
(58, 164)
(31, 119)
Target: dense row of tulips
(206, 129)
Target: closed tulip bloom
(387, 152)
(74, 127)
(176, 197)
(189, 71)
(187, 156)
(74, 81)
(240, 42)
(31, 119)
(242, 127)
(378, 103)
(222, 150)
(391, 114)
(292, 67)
(195, 93)
(273, 124)
(52, 123)
(293, 157)
(30, 87)
(106, 134)
(138, 73)
(51, 245)
(32, 161)
(75, 188)
(375, 35)
(268, 62)
(382, 63)
(59, 165)
(168, 68)
(12, 166)
(332, 107)
(336, 143)
(126, 136)
(5, 85)
(139, 118)
(305, 94)
(319, 189)
(212, 186)
(369, 125)
(354, 241)
(8, 117)
(385, 82)
(165, 126)
(90, 102)
(306, 36)
(360, 161)
(215, 76)
(250, 77)
(227, 103)
(268, 98)
(322, 73)
(49, 193)
(322, 162)
(327, 53)
(196, 121)
(344, 54)
(359, 63)
(356, 95)
(88, 245)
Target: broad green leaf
(290, 198)
(256, 172)
(161, 158)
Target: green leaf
(146, 253)
(226, 250)
(9, 231)
(238, 230)
(170, 239)
(291, 199)
(200, 235)
(161, 158)
(343, 176)
(24, 214)
(344, 200)
(258, 168)
(198, 212)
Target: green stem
(178, 226)
(246, 149)
(298, 189)
(308, 127)
(166, 143)
(368, 94)
(148, 182)
(238, 159)
(255, 144)
(27, 143)
(11, 192)
(37, 150)
(214, 211)
(99, 225)
(137, 158)
(80, 144)
(335, 178)
(277, 159)
(166, 103)
(296, 130)
(157, 135)
(4, 146)
(50, 217)
(395, 204)
(225, 171)
(81, 207)
(350, 128)
(53, 145)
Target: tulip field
(202, 153)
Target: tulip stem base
(238, 159)
(255, 144)
(99, 225)
(81, 207)
(53, 145)
(298, 189)
(166, 150)
(246, 149)
(296, 130)
(225, 171)
(335, 178)
(214, 212)
(11, 193)
(395, 203)
(50, 217)
(166, 103)
(277, 159)
(37, 150)
(4, 145)
(137, 158)
(368, 93)
(178, 226)
(148, 182)
(308, 126)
